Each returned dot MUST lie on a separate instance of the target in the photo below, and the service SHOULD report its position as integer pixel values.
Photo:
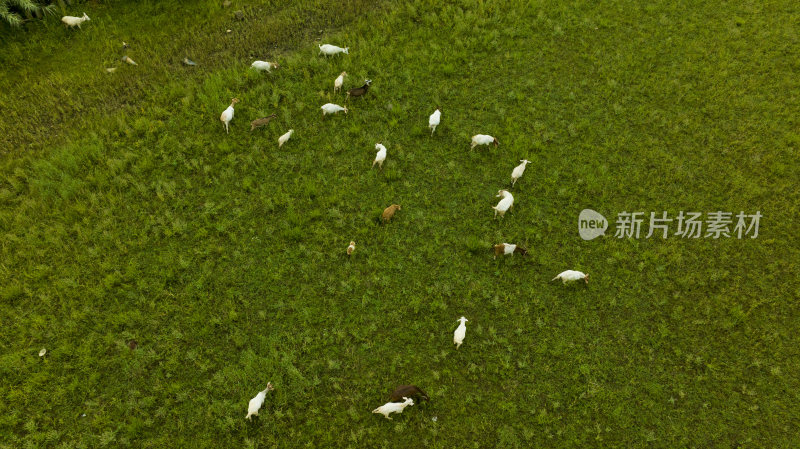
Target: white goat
(518, 171)
(483, 139)
(227, 114)
(330, 108)
(434, 119)
(328, 49)
(461, 331)
(282, 139)
(504, 204)
(72, 21)
(393, 407)
(570, 276)
(337, 83)
(380, 157)
(262, 66)
(255, 404)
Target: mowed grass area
(126, 212)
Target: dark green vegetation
(126, 212)
(14, 13)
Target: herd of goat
(403, 395)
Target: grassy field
(127, 213)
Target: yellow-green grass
(126, 212)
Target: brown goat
(408, 391)
(359, 91)
(388, 213)
(259, 122)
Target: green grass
(126, 212)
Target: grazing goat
(461, 331)
(127, 59)
(411, 391)
(282, 139)
(434, 119)
(262, 66)
(388, 213)
(328, 49)
(227, 114)
(380, 157)
(508, 248)
(337, 83)
(351, 248)
(330, 108)
(504, 204)
(259, 122)
(518, 171)
(393, 407)
(359, 91)
(255, 404)
(570, 276)
(72, 21)
(483, 139)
